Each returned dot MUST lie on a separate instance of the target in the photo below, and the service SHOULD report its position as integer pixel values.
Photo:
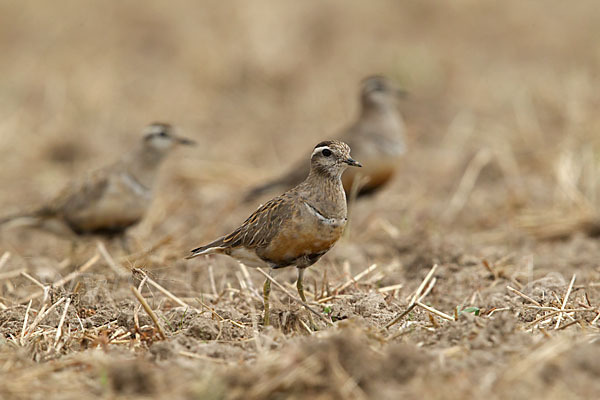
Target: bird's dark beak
(353, 163)
(185, 141)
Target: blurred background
(503, 138)
(257, 84)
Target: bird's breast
(131, 184)
(117, 208)
(308, 233)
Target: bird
(110, 200)
(377, 137)
(296, 228)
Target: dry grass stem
(213, 312)
(149, 311)
(417, 296)
(305, 326)
(523, 295)
(336, 291)
(211, 278)
(296, 299)
(169, 294)
(61, 322)
(117, 269)
(4, 259)
(66, 279)
(390, 288)
(136, 321)
(41, 315)
(11, 274)
(37, 320)
(495, 310)
(424, 283)
(467, 183)
(25, 322)
(436, 312)
(32, 279)
(356, 278)
(247, 279)
(564, 303)
(546, 226)
(568, 324)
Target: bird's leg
(266, 293)
(300, 287)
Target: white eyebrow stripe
(154, 129)
(318, 149)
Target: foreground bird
(377, 137)
(112, 199)
(299, 226)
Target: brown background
(257, 84)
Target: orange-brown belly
(294, 243)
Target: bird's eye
(326, 152)
(162, 134)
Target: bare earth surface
(499, 189)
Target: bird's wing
(81, 194)
(76, 196)
(258, 230)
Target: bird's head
(160, 137)
(331, 158)
(378, 89)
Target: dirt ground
(499, 190)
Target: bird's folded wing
(264, 223)
(82, 194)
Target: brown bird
(377, 137)
(109, 200)
(299, 226)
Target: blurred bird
(299, 226)
(376, 137)
(109, 200)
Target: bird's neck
(377, 108)
(329, 193)
(142, 164)
(319, 173)
(382, 123)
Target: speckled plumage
(376, 137)
(299, 226)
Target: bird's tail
(31, 219)
(215, 247)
